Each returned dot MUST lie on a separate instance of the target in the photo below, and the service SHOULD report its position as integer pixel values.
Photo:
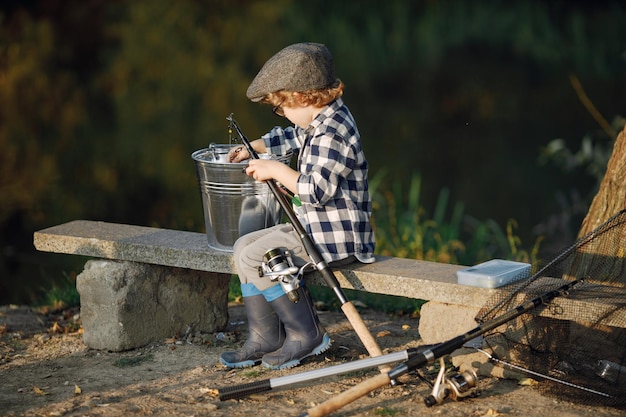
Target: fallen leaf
(56, 328)
(527, 382)
(209, 391)
(39, 391)
(406, 327)
(77, 390)
(383, 333)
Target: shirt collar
(326, 112)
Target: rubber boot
(305, 335)
(265, 334)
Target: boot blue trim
(243, 364)
(273, 293)
(248, 290)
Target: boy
(331, 183)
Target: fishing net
(575, 345)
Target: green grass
(405, 229)
(379, 302)
(255, 373)
(387, 411)
(62, 294)
(234, 289)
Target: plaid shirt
(332, 186)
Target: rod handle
(348, 396)
(243, 390)
(363, 332)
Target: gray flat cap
(298, 67)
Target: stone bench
(148, 284)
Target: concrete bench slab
(424, 280)
(134, 243)
(449, 312)
(388, 275)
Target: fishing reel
(455, 385)
(278, 265)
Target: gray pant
(250, 248)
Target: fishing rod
(438, 351)
(320, 265)
(243, 390)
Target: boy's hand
(263, 169)
(238, 154)
(271, 169)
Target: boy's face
(300, 115)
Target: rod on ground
(436, 352)
(243, 390)
(347, 307)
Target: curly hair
(317, 98)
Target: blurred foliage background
(479, 143)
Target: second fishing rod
(317, 260)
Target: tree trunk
(605, 251)
(611, 196)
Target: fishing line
(528, 371)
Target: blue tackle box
(493, 274)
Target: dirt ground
(46, 370)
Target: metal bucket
(234, 203)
